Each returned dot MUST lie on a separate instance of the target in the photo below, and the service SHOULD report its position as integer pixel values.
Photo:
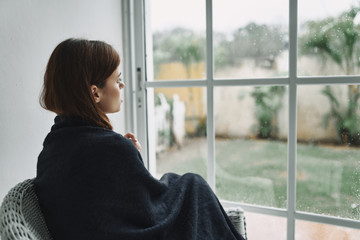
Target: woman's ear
(96, 92)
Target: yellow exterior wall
(194, 97)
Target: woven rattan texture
(20, 215)
(237, 217)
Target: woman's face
(110, 94)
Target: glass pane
(329, 40)
(254, 42)
(328, 169)
(180, 130)
(309, 231)
(259, 226)
(178, 35)
(251, 147)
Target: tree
(221, 51)
(337, 39)
(178, 45)
(254, 41)
(257, 41)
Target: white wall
(29, 31)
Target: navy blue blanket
(92, 184)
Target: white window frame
(135, 53)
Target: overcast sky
(231, 14)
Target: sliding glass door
(261, 98)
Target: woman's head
(77, 78)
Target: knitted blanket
(92, 184)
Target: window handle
(138, 76)
(138, 72)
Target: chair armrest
(237, 217)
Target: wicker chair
(21, 217)
(237, 217)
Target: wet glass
(328, 135)
(178, 31)
(305, 230)
(179, 122)
(250, 40)
(328, 38)
(251, 144)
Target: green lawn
(252, 171)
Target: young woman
(91, 182)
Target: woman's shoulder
(89, 141)
(110, 145)
(100, 135)
(77, 131)
(104, 135)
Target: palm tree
(338, 39)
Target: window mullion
(292, 133)
(328, 80)
(139, 77)
(210, 96)
(129, 69)
(336, 221)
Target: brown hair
(73, 67)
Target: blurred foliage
(268, 101)
(347, 120)
(263, 43)
(338, 39)
(178, 45)
(201, 128)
